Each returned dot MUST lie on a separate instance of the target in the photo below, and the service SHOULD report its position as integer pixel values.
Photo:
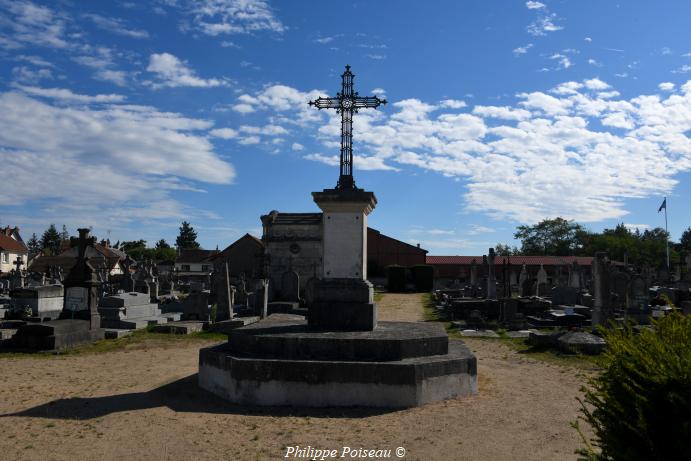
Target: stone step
(115, 333)
(184, 327)
(172, 316)
(133, 324)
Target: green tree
(134, 248)
(64, 234)
(34, 245)
(639, 405)
(50, 241)
(685, 241)
(556, 237)
(187, 238)
(162, 244)
(502, 249)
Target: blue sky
(132, 116)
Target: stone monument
(341, 356)
(79, 322)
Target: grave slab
(183, 327)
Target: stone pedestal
(343, 305)
(342, 299)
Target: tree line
(561, 237)
(53, 242)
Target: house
(194, 265)
(244, 256)
(12, 247)
(383, 251)
(102, 257)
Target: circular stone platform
(281, 361)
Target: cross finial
(347, 102)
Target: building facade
(12, 247)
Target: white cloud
(532, 5)
(116, 26)
(25, 74)
(63, 94)
(452, 104)
(595, 84)
(172, 72)
(543, 24)
(296, 146)
(666, 86)
(563, 61)
(522, 49)
(32, 24)
(588, 39)
(593, 62)
(96, 162)
(505, 113)
(224, 133)
(359, 162)
(250, 140)
(682, 70)
(381, 92)
(218, 17)
(634, 227)
(243, 108)
(580, 151)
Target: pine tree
(50, 241)
(34, 245)
(162, 244)
(187, 238)
(64, 235)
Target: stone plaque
(76, 299)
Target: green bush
(395, 278)
(423, 277)
(640, 406)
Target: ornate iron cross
(347, 102)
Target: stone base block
(115, 333)
(56, 335)
(308, 383)
(226, 326)
(343, 316)
(343, 290)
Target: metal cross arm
(326, 103)
(347, 102)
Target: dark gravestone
(564, 295)
(619, 286)
(290, 286)
(79, 320)
(526, 288)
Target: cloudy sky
(132, 116)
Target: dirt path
(144, 404)
(401, 307)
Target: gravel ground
(143, 403)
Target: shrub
(640, 406)
(423, 277)
(395, 278)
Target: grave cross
(347, 102)
(19, 263)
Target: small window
(205, 268)
(185, 267)
(4, 258)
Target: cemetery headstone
(541, 283)
(564, 295)
(522, 281)
(602, 307)
(290, 286)
(491, 277)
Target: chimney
(418, 245)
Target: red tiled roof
(515, 260)
(7, 243)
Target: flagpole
(666, 236)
